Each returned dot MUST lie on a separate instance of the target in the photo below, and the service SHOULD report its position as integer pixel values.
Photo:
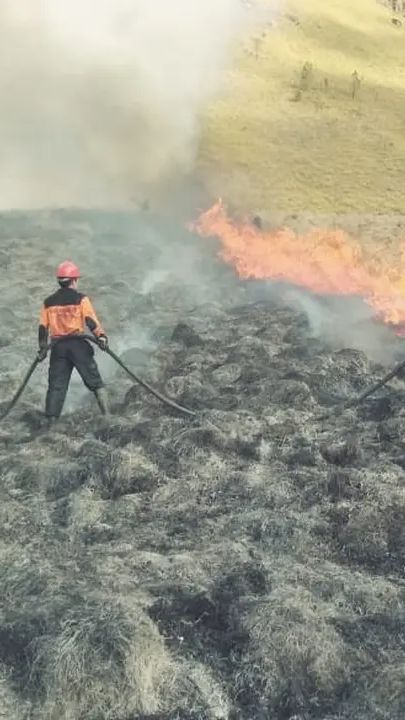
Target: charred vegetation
(246, 564)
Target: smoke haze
(101, 99)
(101, 106)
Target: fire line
(323, 261)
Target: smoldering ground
(338, 321)
(141, 551)
(101, 99)
(146, 273)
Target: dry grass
(105, 663)
(388, 692)
(296, 659)
(11, 705)
(245, 566)
(205, 596)
(370, 530)
(277, 142)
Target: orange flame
(324, 261)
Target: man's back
(68, 312)
(64, 296)
(65, 318)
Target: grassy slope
(325, 152)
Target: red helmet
(69, 270)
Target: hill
(289, 136)
(247, 564)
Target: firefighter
(65, 317)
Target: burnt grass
(247, 564)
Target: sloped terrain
(312, 114)
(247, 564)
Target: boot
(102, 402)
(50, 423)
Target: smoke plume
(101, 99)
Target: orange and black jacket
(65, 314)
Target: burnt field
(244, 565)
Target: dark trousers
(67, 354)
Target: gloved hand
(103, 342)
(42, 353)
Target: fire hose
(20, 390)
(337, 410)
(163, 399)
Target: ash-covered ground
(245, 565)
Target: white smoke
(102, 99)
(346, 322)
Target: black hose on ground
(380, 384)
(20, 390)
(165, 400)
(356, 401)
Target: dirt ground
(245, 565)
